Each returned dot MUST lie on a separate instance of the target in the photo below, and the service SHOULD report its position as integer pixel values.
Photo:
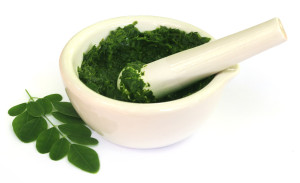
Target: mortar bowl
(137, 125)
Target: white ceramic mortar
(131, 124)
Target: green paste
(132, 85)
(129, 47)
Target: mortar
(137, 125)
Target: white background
(253, 135)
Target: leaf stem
(63, 135)
(31, 98)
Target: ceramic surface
(129, 124)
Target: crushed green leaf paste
(129, 47)
(133, 85)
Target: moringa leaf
(17, 109)
(35, 109)
(20, 121)
(75, 130)
(84, 158)
(59, 149)
(30, 124)
(31, 130)
(83, 140)
(67, 119)
(46, 104)
(46, 139)
(65, 108)
(54, 97)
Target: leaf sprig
(68, 138)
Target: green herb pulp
(132, 85)
(103, 63)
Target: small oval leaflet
(67, 119)
(84, 158)
(46, 105)
(35, 109)
(83, 140)
(59, 149)
(46, 139)
(17, 109)
(54, 97)
(20, 121)
(75, 130)
(31, 130)
(65, 108)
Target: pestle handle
(174, 72)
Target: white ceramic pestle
(176, 71)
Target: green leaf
(59, 149)
(84, 158)
(30, 124)
(31, 130)
(46, 104)
(20, 121)
(67, 119)
(65, 108)
(54, 97)
(83, 140)
(75, 130)
(78, 133)
(46, 139)
(17, 109)
(35, 109)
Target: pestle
(179, 70)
